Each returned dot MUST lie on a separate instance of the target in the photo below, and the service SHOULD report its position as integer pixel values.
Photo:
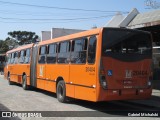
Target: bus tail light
(150, 76)
(149, 81)
(103, 81)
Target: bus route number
(90, 69)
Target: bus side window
(42, 54)
(21, 59)
(92, 49)
(78, 51)
(8, 58)
(64, 52)
(16, 57)
(52, 53)
(27, 56)
(12, 58)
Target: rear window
(126, 45)
(124, 41)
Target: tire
(61, 92)
(9, 80)
(24, 82)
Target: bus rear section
(125, 66)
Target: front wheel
(24, 82)
(61, 92)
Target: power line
(24, 13)
(63, 19)
(40, 22)
(51, 7)
(28, 14)
(48, 22)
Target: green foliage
(3, 47)
(11, 43)
(22, 37)
(17, 38)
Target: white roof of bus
(20, 48)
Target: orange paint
(83, 79)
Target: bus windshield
(120, 42)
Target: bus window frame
(56, 47)
(16, 57)
(95, 49)
(39, 54)
(9, 56)
(29, 57)
(12, 57)
(68, 51)
(83, 47)
(20, 57)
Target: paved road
(14, 98)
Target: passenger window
(27, 56)
(52, 53)
(9, 59)
(12, 58)
(21, 59)
(92, 49)
(78, 53)
(16, 57)
(64, 52)
(42, 54)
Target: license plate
(127, 82)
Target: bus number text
(90, 69)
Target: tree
(22, 37)
(11, 43)
(3, 47)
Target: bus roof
(67, 37)
(72, 36)
(20, 48)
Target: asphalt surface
(14, 98)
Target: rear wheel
(9, 81)
(24, 82)
(61, 91)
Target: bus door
(51, 67)
(62, 68)
(41, 67)
(83, 70)
(33, 68)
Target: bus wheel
(24, 82)
(61, 91)
(9, 80)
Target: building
(57, 32)
(45, 35)
(148, 21)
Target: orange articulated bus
(97, 65)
